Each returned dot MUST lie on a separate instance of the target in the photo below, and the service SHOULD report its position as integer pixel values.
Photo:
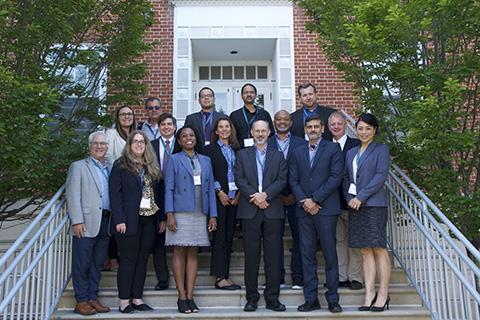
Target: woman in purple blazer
(189, 201)
(366, 169)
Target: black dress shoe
(344, 284)
(309, 306)
(334, 307)
(250, 306)
(276, 306)
(356, 285)
(161, 286)
(142, 307)
(127, 309)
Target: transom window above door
(233, 73)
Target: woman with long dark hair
(221, 151)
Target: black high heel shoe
(380, 309)
(367, 308)
(182, 306)
(191, 304)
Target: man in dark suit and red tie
(261, 175)
(315, 175)
(349, 259)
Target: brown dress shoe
(84, 308)
(100, 308)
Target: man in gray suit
(88, 206)
(203, 120)
(261, 175)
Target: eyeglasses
(100, 144)
(125, 114)
(203, 96)
(153, 107)
(140, 142)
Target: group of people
(152, 186)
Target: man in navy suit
(202, 121)
(315, 175)
(261, 175)
(349, 259)
(284, 142)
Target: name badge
(260, 189)
(248, 142)
(145, 203)
(232, 186)
(207, 142)
(352, 189)
(197, 180)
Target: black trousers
(253, 231)
(134, 252)
(160, 259)
(222, 241)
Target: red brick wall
(159, 80)
(312, 66)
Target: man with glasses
(88, 206)
(150, 127)
(202, 121)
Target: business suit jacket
(220, 165)
(195, 120)
(274, 180)
(372, 173)
(241, 126)
(84, 196)
(180, 188)
(321, 181)
(298, 126)
(295, 142)
(161, 184)
(349, 144)
(125, 191)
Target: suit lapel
(319, 152)
(253, 162)
(93, 172)
(366, 153)
(184, 161)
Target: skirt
(367, 227)
(191, 231)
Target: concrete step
(109, 278)
(236, 313)
(400, 294)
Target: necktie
(207, 125)
(166, 154)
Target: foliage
(44, 46)
(416, 65)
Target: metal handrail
(36, 269)
(436, 263)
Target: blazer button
(100, 208)
(184, 189)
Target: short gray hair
(337, 114)
(93, 135)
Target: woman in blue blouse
(221, 151)
(189, 201)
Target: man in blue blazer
(315, 174)
(285, 142)
(261, 175)
(203, 120)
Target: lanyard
(262, 164)
(103, 170)
(154, 133)
(169, 151)
(307, 113)
(191, 159)
(228, 153)
(285, 145)
(249, 123)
